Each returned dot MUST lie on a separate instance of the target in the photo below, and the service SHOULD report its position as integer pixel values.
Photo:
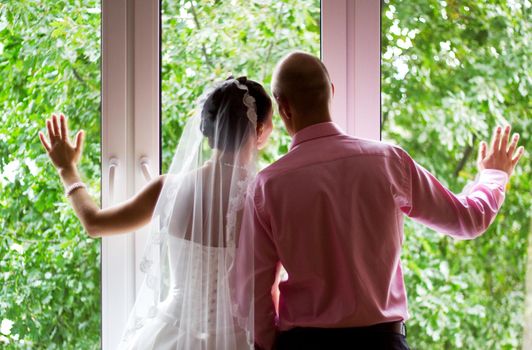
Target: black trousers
(340, 338)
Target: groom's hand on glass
(502, 154)
(63, 153)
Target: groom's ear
(284, 107)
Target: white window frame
(130, 143)
(131, 117)
(351, 50)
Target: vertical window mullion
(364, 67)
(351, 51)
(115, 276)
(130, 137)
(334, 55)
(146, 107)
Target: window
(50, 55)
(451, 71)
(203, 42)
(49, 268)
(201, 36)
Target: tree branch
(272, 41)
(198, 26)
(79, 77)
(467, 153)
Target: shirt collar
(315, 131)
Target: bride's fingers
(43, 141)
(79, 140)
(51, 134)
(63, 124)
(57, 132)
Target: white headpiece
(249, 102)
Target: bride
(187, 300)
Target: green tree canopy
(49, 268)
(451, 71)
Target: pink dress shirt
(331, 211)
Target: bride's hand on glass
(63, 153)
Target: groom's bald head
(303, 81)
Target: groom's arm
(469, 214)
(462, 216)
(257, 255)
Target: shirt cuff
(493, 176)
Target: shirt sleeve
(463, 216)
(258, 261)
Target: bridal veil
(188, 297)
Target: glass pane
(49, 267)
(451, 71)
(206, 41)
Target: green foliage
(49, 61)
(49, 268)
(451, 71)
(207, 41)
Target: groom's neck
(308, 119)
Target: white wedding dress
(188, 300)
(167, 330)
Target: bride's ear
(260, 130)
(260, 136)
(264, 130)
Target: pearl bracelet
(73, 187)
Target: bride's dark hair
(223, 118)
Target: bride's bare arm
(122, 218)
(125, 217)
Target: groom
(331, 212)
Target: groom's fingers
(43, 141)
(504, 140)
(518, 155)
(482, 151)
(513, 145)
(496, 141)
